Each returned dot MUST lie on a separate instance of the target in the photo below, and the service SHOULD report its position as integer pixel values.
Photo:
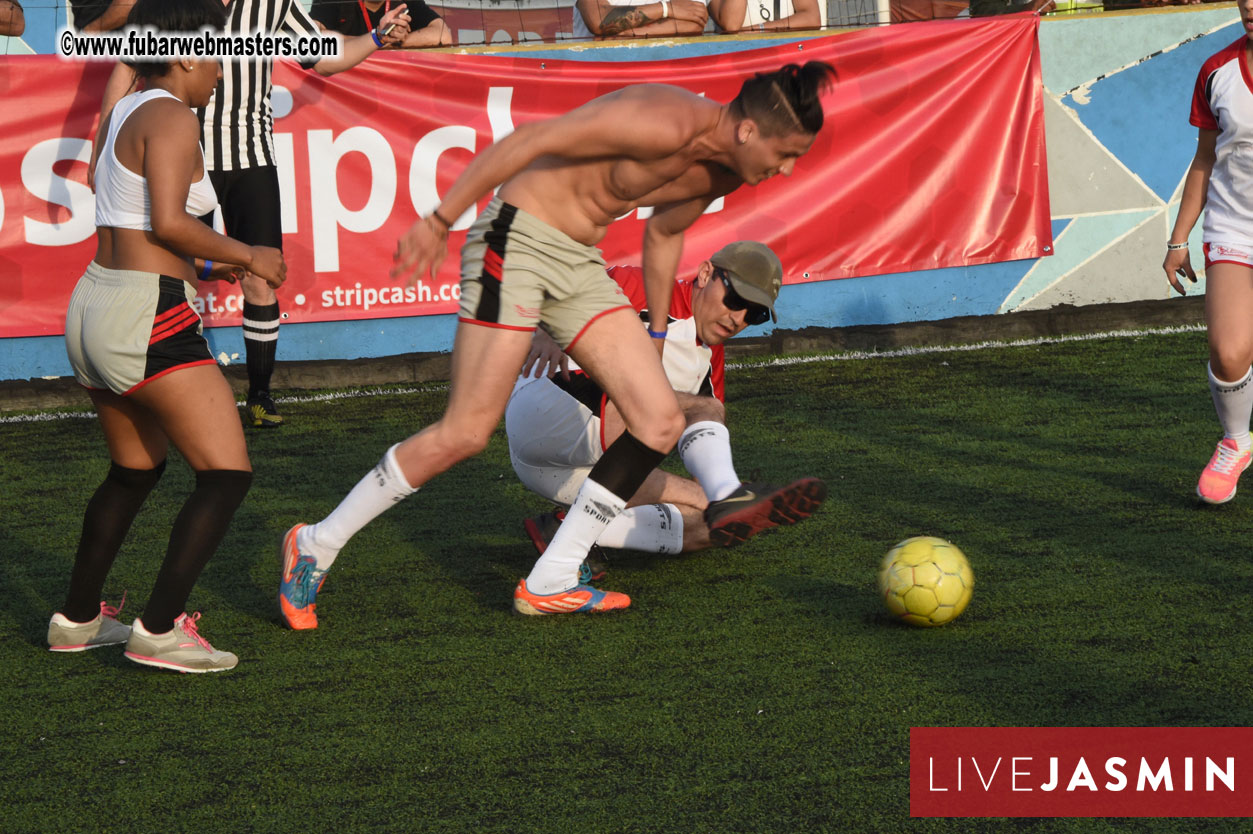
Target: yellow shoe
(262, 411)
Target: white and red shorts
(1228, 253)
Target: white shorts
(554, 440)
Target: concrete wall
(1118, 90)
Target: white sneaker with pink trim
(1218, 480)
(65, 635)
(181, 648)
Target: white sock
(592, 511)
(383, 486)
(705, 449)
(1234, 402)
(652, 528)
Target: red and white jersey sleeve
(1223, 100)
(691, 366)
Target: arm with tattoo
(620, 19)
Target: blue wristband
(374, 33)
(204, 273)
(656, 335)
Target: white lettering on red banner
(362, 155)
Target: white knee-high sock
(383, 486)
(1234, 402)
(592, 511)
(705, 449)
(652, 528)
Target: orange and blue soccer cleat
(541, 529)
(756, 507)
(581, 599)
(1218, 479)
(299, 584)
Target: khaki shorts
(125, 328)
(517, 272)
(554, 440)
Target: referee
(237, 135)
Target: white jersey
(1223, 101)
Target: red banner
(1081, 772)
(932, 156)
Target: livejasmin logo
(1081, 771)
(1161, 778)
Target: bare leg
(195, 409)
(1228, 312)
(1228, 307)
(617, 353)
(485, 363)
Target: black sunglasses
(756, 313)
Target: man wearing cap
(559, 421)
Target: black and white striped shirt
(238, 123)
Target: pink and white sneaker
(1218, 479)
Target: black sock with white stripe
(260, 344)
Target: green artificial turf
(759, 689)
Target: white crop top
(122, 199)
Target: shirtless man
(531, 260)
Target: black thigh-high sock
(197, 532)
(109, 515)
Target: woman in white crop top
(1220, 181)
(134, 340)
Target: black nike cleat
(756, 507)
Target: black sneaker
(262, 412)
(756, 507)
(541, 530)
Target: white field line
(919, 351)
(310, 398)
(765, 363)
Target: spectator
(765, 15)
(357, 17)
(12, 19)
(1119, 5)
(909, 11)
(985, 8)
(639, 18)
(100, 15)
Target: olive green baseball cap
(754, 270)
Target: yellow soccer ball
(926, 581)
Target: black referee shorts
(251, 211)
